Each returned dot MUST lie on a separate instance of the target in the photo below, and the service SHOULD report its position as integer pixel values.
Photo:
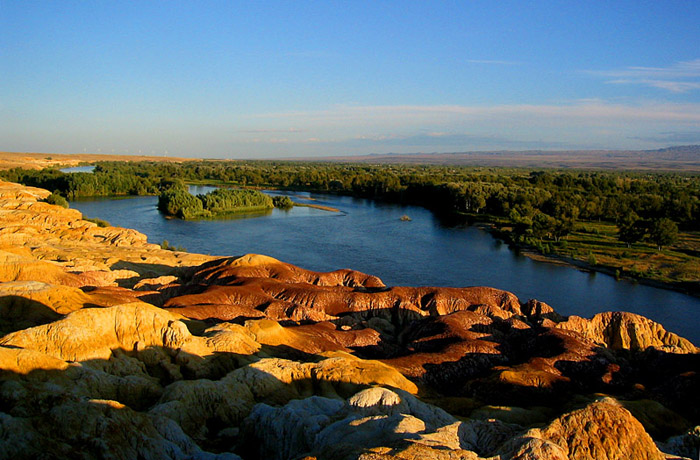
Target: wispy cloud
(681, 77)
(410, 128)
(672, 137)
(432, 140)
(683, 69)
(674, 86)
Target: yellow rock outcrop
(628, 331)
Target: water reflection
(201, 189)
(78, 169)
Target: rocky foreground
(111, 347)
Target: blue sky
(283, 79)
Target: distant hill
(676, 158)
(30, 160)
(681, 152)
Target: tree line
(537, 204)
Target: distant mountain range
(680, 152)
(675, 158)
(685, 158)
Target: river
(369, 236)
(78, 169)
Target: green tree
(631, 229)
(522, 223)
(543, 225)
(663, 232)
(562, 227)
(180, 203)
(282, 202)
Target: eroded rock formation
(111, 347)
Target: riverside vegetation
(639, 225)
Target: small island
(283, 202)
(176, 201)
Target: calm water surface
(77, 169)
(370, 237)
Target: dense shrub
(180, 203)
(99, 222)
(282, 202)
(166, 245)
(56, 199)
(224, 200)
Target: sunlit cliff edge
(111, 347)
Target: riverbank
(316, 206)
(643, 264)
